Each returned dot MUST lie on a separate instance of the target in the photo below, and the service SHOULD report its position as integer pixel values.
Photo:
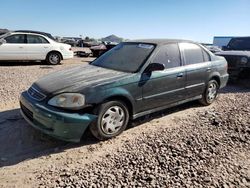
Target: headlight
(243, 60)
(72, 101)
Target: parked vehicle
(3, 31)
(237, 54)
(70, 42)
(83, 43)
(212, 48)
(82, 53)
(131, 80)
(26, 46)
(102, 48)
(221, 41)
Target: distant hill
(112, 38)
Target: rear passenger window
(34, 39)
(169, 55)
(206, 56)
(193, 53)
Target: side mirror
(155, 67)
(2, 41)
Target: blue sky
(197, 20)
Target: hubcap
(54, 58)
(212, 92)
(112, 120)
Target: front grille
(35, 94)
(232, 61)
(27, 112)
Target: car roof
(35, 32)
(30, 31)
(20, 32)
(160, 41)
(240, 38)
(38, 34)
(24, 33)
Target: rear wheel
(112, 120)
(54, 58)
(210, 93)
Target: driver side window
(16, 39)
(169, 55)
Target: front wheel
(54, 58)
(210, 93)
(112, 120)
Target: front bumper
(61, 125)
(223, 80)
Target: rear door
(198, 67)
(168, 86)
(37, 47)
(13, 49)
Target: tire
(210, 93)
(113, 117)
(54, 58)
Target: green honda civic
(131, 80)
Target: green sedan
(131, 80)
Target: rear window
(34, 39)
(126, 57)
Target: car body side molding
(135, 116)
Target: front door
(162, 88)
(13, 49)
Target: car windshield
(240, 44)
(125, 57)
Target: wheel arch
(123, 99)
(215, 76)
(55, 51)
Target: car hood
(234, 53)
(78, 78)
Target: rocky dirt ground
(185, 146)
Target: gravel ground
(185, 146)
(208, 149)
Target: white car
(21, 46)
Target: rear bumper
(68, 55)
(223, 80)
(61, 125)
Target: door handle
(20, 46)
(45, 46)
(208, 69)
(180, 75)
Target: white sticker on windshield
(146, 46)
